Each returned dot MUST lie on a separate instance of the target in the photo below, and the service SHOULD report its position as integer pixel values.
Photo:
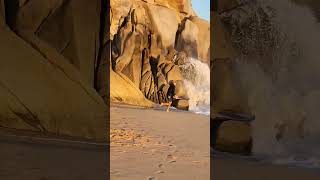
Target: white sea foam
(197, 83)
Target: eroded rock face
(49, 51)
(137, 52)
(192, 38)
(145, 45)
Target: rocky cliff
(49, 56)
(150, 40)
(59, 60)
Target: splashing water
(197, 83)
(280, 72)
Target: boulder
(235, 137)
(182, 104)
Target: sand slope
(149, 144)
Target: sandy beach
(154, 144)
(33, 156)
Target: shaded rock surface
(49, 52)
(63, 25)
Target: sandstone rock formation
(49, 52)
(61, 57)
(146, 38)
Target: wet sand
(238, 168)
(154, 144)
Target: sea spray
(279, 68)
(197, 83)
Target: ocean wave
(197, 83)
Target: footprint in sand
(171, 158)
(160, 172)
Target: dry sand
(30, 156)
(154, 144)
